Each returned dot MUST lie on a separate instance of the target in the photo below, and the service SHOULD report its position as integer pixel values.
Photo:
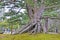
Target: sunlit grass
(30, 37)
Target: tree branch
(54, 6)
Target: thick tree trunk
(34, 14)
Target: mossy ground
(30, 37)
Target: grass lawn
(30, 37)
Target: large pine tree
(35, 9)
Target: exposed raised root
(22, 28)
(31, 27)
(34, 30)
(28, 28)
(25, 28)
